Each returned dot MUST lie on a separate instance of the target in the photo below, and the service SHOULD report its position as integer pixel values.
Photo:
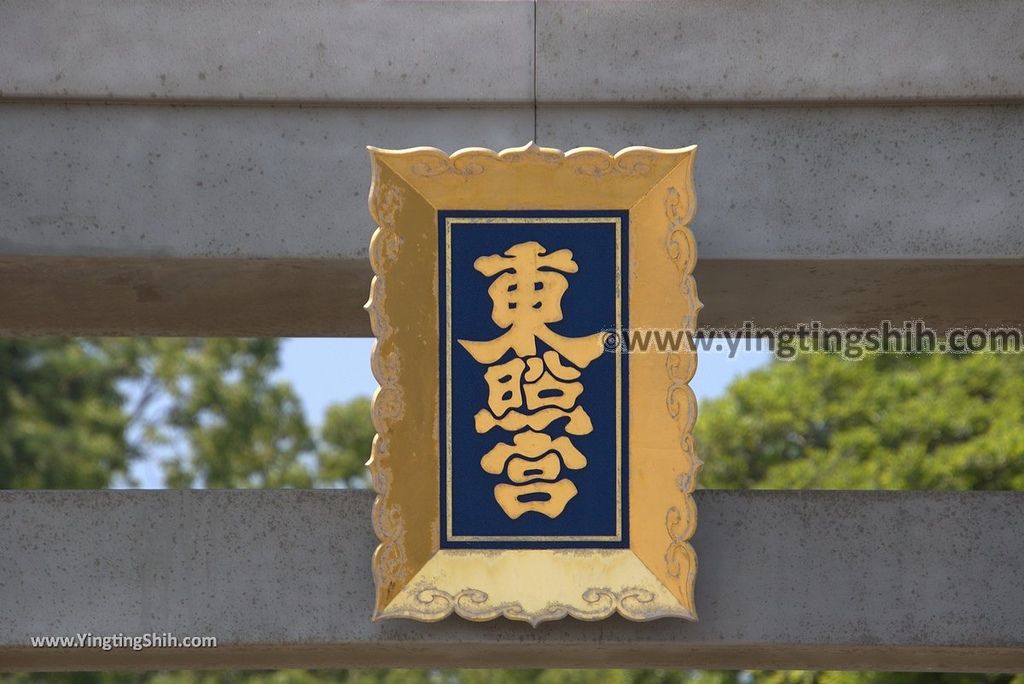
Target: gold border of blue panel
(651, 574)
(620, 222)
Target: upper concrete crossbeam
(149, 215)
(722, 51)
(223, 220)
(825, 580)
(283, 182)
(340, 51)
(462, 51)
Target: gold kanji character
(526, 297)
(538, 385)
(558, 494)
(533, 463)
(531, 445)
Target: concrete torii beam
(804, 580)
(214, 183)
(191, 168)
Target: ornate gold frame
(414, 577)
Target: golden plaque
(529, 461)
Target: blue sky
(328, 370)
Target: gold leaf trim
(430, 162)
(405, 592)
(681, 522)
(389, 558)
(433, 605)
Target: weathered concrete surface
(262, 182)
(860, 293)
(833, 182)
(875, 580)
(193, 297)
(270, 50)
(778, 51)
(274, 182)
(324, 297)
(238, 220)
(180, 220)
(468, 51)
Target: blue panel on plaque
(558, 454)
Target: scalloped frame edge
(419, 598)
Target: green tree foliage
(78, 413)
(480, 676)
(346, 438)
(801, 677)
(63, 421)
(883, 422)
(405, 676)
(229, 423)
